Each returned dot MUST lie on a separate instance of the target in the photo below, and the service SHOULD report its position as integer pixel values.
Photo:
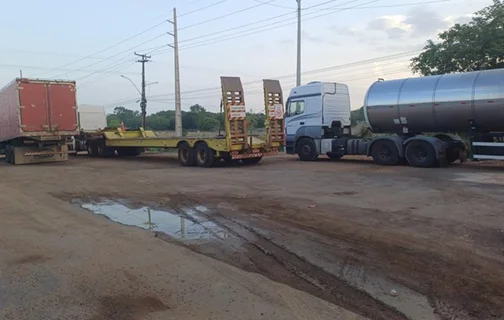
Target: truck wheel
(186, 155)
(420, 154)
(334, 156)
(205, 157)
(453, 154)
(385, 152)
(92, 150)
(129, 151)
(252, 160)
(307, 150)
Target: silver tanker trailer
(414, 120)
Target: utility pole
(178, 103)
(298, 69)
(143, 102)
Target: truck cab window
(296, 107)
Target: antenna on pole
(178, 103)
(20, 73)
(143, 102)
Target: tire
(385, 153)
(129, 151)
(420, 154)
(452, 154)
(91, 149)
(254, 160)
(205, 157)
(307, 150)
(186, 155)
(334, 156)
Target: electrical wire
(223, 16)
(112, 46)
(124, 51)
(384, 6)
(252, 23)
(117, 68)
(202, 8)
(361, 76)
(397, 5)
(315, 71)
(275, 5)
(271, 26)
(47, 68)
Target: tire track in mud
(281, 265)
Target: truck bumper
(29, 155)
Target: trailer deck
(235, 145)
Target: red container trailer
(36, 117)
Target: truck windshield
(295, 108)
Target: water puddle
(186, 225)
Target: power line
(127, 50)
(254, 23)
(275, 5)
(268, 27)
(46, 68)
(396, 5)
(115, 69)
(321, 70)
(384, 6)
(112, 46)
(202, 8)
(224, 15)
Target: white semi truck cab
(316, 114)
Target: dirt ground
(322, 240)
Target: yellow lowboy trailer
(235, 145)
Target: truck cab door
(294, 119)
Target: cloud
(419, 22)
(306, 36)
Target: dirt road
(280, 240)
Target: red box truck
(36, 118)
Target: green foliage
(208, 124)
(256, 120)
(357, 116)
(197, 119)
(476, 45)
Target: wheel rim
(306, 150)
(419, 153)
(201, 156)
(385, 153)
(185, 154)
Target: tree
(357, 116)
(476, 45)
(197, 108)
(209, 124)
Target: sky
(348, 41)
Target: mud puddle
(254, 250)
(184, 225)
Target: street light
(138, 90)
